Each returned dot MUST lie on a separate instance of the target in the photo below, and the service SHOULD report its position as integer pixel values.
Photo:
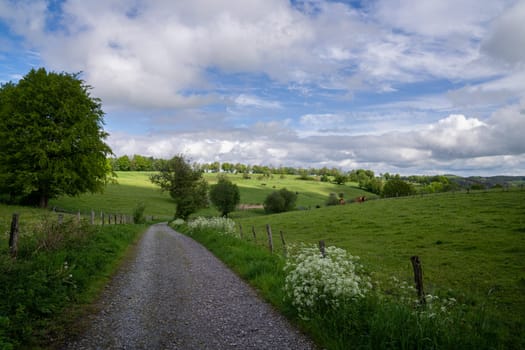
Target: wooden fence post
(283, 242)
(13, 235)
(270, 240)
(322, 248)
(102, 217)
(254, 235)
(240, 230)
(418, 278)
(92, 217)
(78, 216)
(60, 219)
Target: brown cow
(360, 199)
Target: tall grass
(58, 269)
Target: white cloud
(253, 101)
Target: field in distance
(134, 187)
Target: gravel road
(174, 294)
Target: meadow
(472, 245)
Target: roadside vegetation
(471, 246)
(58, 271)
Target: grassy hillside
(131, 188)
(134, 187)
(472, 246)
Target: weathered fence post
(78, 216)
(240, 230)
(60, 219)
(102, 217)
(254, 235)
(13, 235)
(322, 248)
(418, 278)
(92, 217)
(283, 242)
(270, 240)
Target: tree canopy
(185, 184)
(280, 201)
(51, 138)
(225, 195)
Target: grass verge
(59, 270)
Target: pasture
(472, 246)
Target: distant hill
(487, 182)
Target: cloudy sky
(409, 87)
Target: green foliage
(138, 213)
(58, 268)
(373, 185)
(280, 201)
(185, 185)
(332, 199)
(340, 179)
(398, 188)
(51, 138)
(315, 282)
(225, 195)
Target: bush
(138, 213)
(332, 199)
(280, 201)
(398, 188)
(222, 225)
(314, 283)
(225, 195)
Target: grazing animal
(360, 199)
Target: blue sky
(426, 87)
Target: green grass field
(472, 246)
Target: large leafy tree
(185, 184)
(51, 138)
(225, 195)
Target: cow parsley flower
(314, 282)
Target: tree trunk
(43, 201)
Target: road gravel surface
(174, 294)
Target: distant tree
(280, 201)
(396, 188)
(340, 179)
(225, 195)
(51, 138)
(123, 163)
(215, 167)
(374, 185)
(140, 163)
(185, 184)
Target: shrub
(280, 201)
(225, 195)
(332, 199)
(219, 224)
(138, 213)
(314, 283)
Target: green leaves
(185, 184)
(51, 133)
